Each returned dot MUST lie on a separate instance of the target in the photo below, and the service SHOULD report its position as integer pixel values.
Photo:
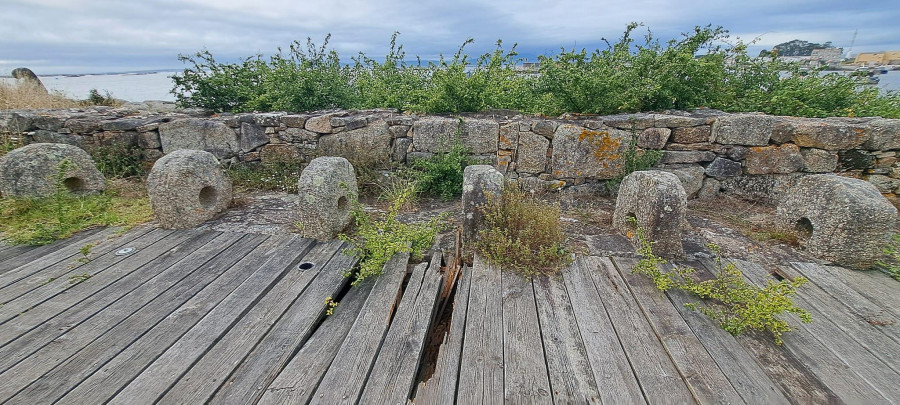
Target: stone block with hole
(479, 182)
(657, 202)
(187, 188)
(326, 187)
(40, 169)
(843, 220)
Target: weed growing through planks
(85, 252)
(78, 278)
(730, 300)
(48, 281)
(379, 237)
(331, 304)
(522, 233)
(891, 263)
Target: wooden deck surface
(198, 316)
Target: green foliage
(891, 263)
(95, 98)
(272, 176)
(635, 159)
(78, 278)
(522, 234)
(378, 238)
(442, 174)
(732, 302)
(630, 75)
(118, 160)
(9, 142)
(44, 220)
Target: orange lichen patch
(607, 147)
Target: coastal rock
(819, 161)
(582, 153)
(435, 134)
(774, 159)
(827, 134)
(532, 153)
(252, 136)
(884, 134)
(691, 134)
(42, 136)
(743, 129)
(479, 182)
(671, 157)
(37, 170)
(653, 138)
(722, 167)
(199, 134)
(690, 175)
(367, 144)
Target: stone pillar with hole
(657, 202)
(42, 169)
(187, 188)
(479, 182)
(840, 219)
(326, 187)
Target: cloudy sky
(92, 36)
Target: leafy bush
(378, 239)
(522, 234)
(731, 301)
(118, 160)
(630, 75)
(442, 174)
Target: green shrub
(522, 234)
(270, 176)
(118, 161)
(891, 263)
(378, 238)
(442, 174)
(730, 300)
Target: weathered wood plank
(571, 376)
(481, 365)
(198, 270)
(658, 377)
(705, 378)
(108, 322)
(17, 268)
(825, 356)
(876, 339)
(354, 360)
(115, 374)
(31, 291)
(794, 379)
(12, 251)
(875, 287)
(299, 379)
(155, 380)
(441, 387)
(525, 377)
(38, 327)
(394, 373)
(742, 370)
(213, 369)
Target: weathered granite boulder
(479, 181)
(722, 167)
(583, 153)
(692, 156)
(186, 188)
(40, 169)
(371, 143)
(43, 136)
(743, 129)
(711, 188)
(435, 134)
(654, 138)
(690, 175)
(774, 159)
(691, 134)
(326, 188)
(531, 155)
(819, 160)
(252, 136)
(544, 127)
(884, 134)
(848, 221)
(827, 134)
(855, 159)
(767, 188)
(27, 76)
(658, 202)
(199, 134)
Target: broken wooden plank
(343, 383)
(481, 365)
(394, 373)
(165, 371)
(836, 369)
(441, 387)
(659, 379)
(116, 373)
(299, 379)
(571, 376)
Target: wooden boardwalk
(196, 316)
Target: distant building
(826, 57)
(878, 58)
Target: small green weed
(891, 264)
(48, 281)
(377, 239)
(522, 233)
(331, 304)
(731, 301)
(78, 278)
(85, 252)
(272, 176)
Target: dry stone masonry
(186, 188)
(40, 169)
(657, 203)
(752, 155)
(479, 183)
(847, 221)
(326, 188)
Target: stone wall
(752, 155)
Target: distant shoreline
(129, 72)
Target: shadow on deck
(201, 316)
